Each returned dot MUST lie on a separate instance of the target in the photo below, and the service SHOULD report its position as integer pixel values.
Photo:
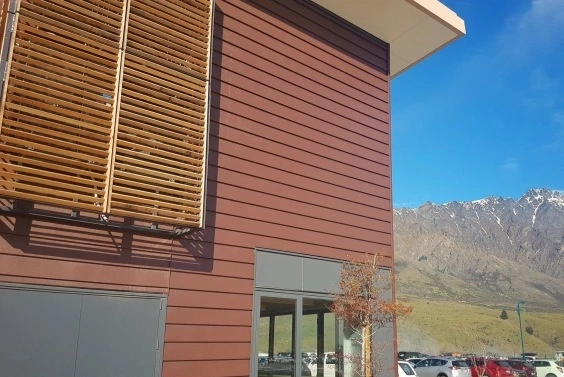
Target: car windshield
(502, 364)
(460, 363)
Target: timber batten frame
(106, 108)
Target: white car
(405, 369)
(443, 367)
(548, 368)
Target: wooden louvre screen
(159, 159)
(58, 111)
(105, 107)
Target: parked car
(523, 366)
(403, 355)
(405, 369)
(414, 360)
(487, 367)
(443, 367)
(548, 368)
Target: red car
(481, 367)
(523, 366)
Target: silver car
(442, 367)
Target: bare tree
(364, 302)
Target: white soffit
(414, 29)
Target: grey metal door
(79, 333)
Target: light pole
(521, 329)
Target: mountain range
(493, 251)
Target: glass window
(319, 338)
(299, 336)
(276, 339)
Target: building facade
(181, 179)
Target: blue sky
(485, 115)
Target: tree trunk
(367, 349)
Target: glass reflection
(277, 346)
(319, 339)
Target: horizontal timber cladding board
(214, 283)
(207, 333)
(379, 198)
(232, 48)
(159, 166)
(324, 172)
(299, 117)
(207, 316)
(278, 50)
(299, 232)
(340, 145)
(374, 125)
(262, 71)
(80, 271)
(315, 247)
(207, 368)
(210, 300)
(275, 141)
(207, 351)
(298, 202)
(282, 216)
(301, 27)
(58, 112)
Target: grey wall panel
(384, 351)
(295, 272)
(118, 337)
(321, 275)
(55, 332)
(39, 333)
(280, 271)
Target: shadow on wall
(63, 240)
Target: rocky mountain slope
(491, 251)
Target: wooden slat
(70, 17)
(154, 137)
(129, 104)
(171, 202)
(157, 163)
(65, 68)
(68, 162)
(195, 83)
(50, 179)
(60, 100)
(59, 82)
(60, 40)
(60, 194)
(162, 89)
(150, 174)
(50, 133)
(47, 156)
(54, 117)
(141, 182)
(73, 27)
(158, 105)
(63, 56)
(156, 10)
(172, 35)
(57, 120)
(161, 216)
(49, 199)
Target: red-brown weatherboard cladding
(299, 161)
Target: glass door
(296, 336)
(276, 343)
